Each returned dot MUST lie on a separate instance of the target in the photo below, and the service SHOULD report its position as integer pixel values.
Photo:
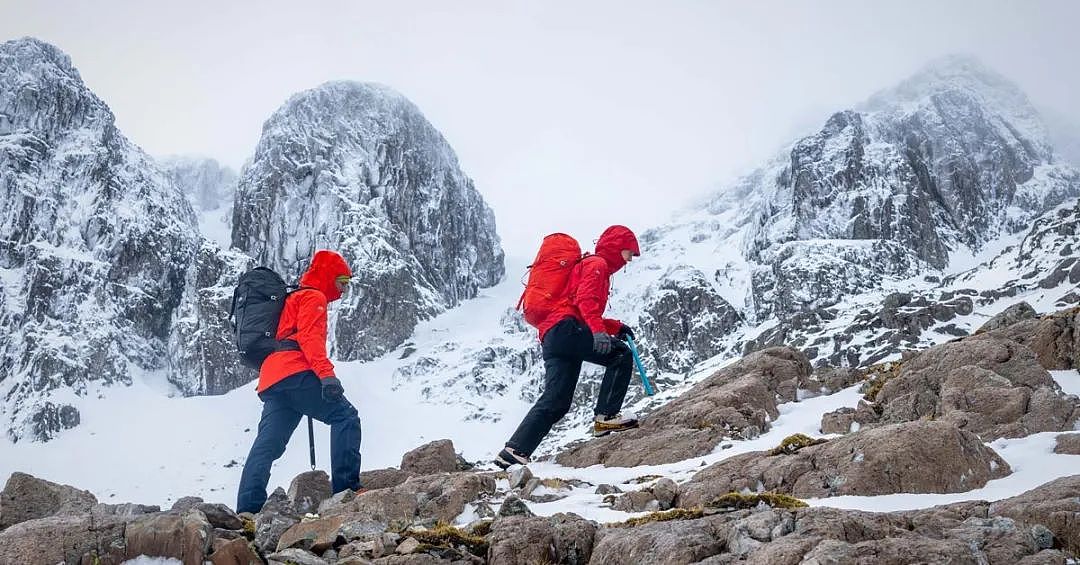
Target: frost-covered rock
(202, 356)
(97, 242)
(357, 168)
(684, 319)
(948, 161)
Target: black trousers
(565, 347)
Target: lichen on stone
(667, 515)
(793, 443)
(741, 501)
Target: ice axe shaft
(311, 440)
(640, 367)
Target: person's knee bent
(346, 413)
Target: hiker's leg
(620, 366)
(560, 380)
(275, 428)
(344, 424)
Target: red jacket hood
(326, 266)
(612, 242)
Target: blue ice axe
(640, 367)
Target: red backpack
(546, 289)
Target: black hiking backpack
(256, 310)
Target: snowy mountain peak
(964, 79)
(28, 62)
(357, 167)
(96, 243)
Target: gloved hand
(332, 391)
(624, 332)
(601, 343)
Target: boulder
(1009, 316)
(26, 497)
(514, 506)
(1055, 505)
(124, 511)
(277, 516)
(383, 478)
(846, 420)
(185, 536)
(220, 516)
(435, 457)
(63, 538)
(562, 538)
(986, 384)
(673, 541)
(519, 476)
(185, 503)
(294, 556)
(665, 490)
(739, 397)
(637, 501)
(916, 457)
(308, 490)
(1068, 444)
(1054, 338)
(430, 497)
(234, 552)
(314, 535)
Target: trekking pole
(311, 440)
(640, 367)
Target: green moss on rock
(667, 515)
(445, 535)
(741, 501)
(793, 443)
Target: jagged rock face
(947, 161)
(208, 184)
(684, 319)
(202, 356)
(96, 246)
(357, 168)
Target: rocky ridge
(437, 508)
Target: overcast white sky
(568, 115)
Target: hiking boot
(508, 457)
(604, 425)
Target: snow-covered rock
(357, 168)
(97, 241)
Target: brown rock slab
(435, 457)
(63, 538)
(26, 497)
(1068, 444)
(383, 478)
(186, 537)
(987, 384)
(308, 490)
(315, 535)
(432, 497)
(235, 552)
(562, 538)
(918, 457)
(737, 398)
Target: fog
(569, 116)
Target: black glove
(601, 343)
(625, 332)
(332, 391)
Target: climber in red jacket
(297, 383)
(578, 332)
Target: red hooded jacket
(590, 283)
(303, 319)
